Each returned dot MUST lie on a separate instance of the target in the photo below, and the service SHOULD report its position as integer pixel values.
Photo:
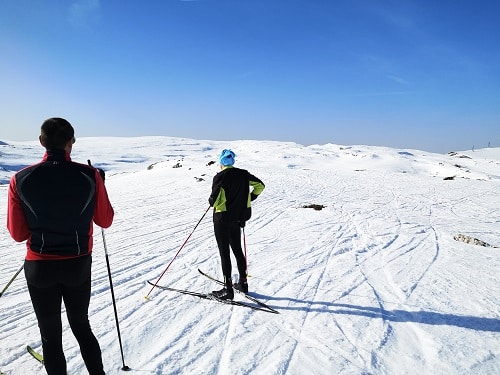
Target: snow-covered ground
(373, 283)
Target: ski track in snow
(371, 284)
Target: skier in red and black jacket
(52, 205)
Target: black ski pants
(228, 237)
(49, 283)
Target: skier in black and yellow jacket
(231, 199)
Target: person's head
(226, 158)
(57, 134)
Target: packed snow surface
(354, 245)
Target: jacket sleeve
(104, 213)
(16, 219)
(256, 184)
(216, 189)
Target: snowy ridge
(372, 283)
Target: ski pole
(125, 367)
(245, 248)
(175, 256)
(11, 280)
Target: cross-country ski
(210, 297)
(246, 295)
(35, 354)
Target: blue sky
(421, 74)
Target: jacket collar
(56, 155)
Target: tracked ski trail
(375, 273)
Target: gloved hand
(102, 173)
(253, 196)
(242, 224)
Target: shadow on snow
(424, 317)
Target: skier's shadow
(424, 317)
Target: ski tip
(35, 354)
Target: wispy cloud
(397, 79)
(83, 13)
(383, 93)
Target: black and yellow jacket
(231, 194)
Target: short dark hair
(56, 133)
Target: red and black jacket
(53, 205)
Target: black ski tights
(49, 283)
(228, 235)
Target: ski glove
(253, 196)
